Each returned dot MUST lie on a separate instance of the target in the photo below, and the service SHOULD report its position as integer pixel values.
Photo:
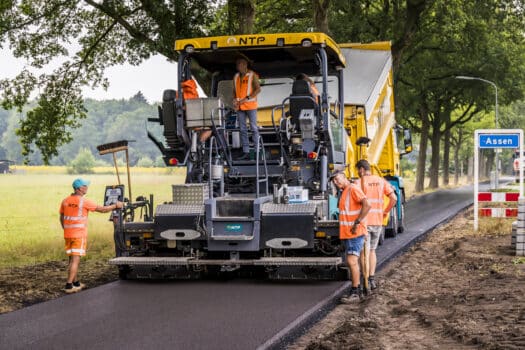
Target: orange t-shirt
(74, 210)
(375, 188)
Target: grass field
(30, 230)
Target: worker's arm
(108, 208)
(62, 220)
(365, 208)
(256, 86)
(392, 200)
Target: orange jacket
(74, 213)
(244, 88)
(349, 209)
(375, 189)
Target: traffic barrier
(498, 197)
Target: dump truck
(275, 213)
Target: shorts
(76, 246)
(374, 232)
(354, 245)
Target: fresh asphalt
(234, 314)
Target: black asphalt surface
(235, 314)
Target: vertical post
(476, 175)
(116, 167)
(496, 180)
(129, 179)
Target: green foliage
(83, 163)
(106, 33)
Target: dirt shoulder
(28, 285)
(455, 290)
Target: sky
(152, 77)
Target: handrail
(261, 144)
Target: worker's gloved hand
(354, 228)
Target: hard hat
(79, 183)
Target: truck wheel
(401, 227)
(382, 237)
(391, 231)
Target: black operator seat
(301, 98)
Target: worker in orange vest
(375, 189)
(73, 218)
(353, 208)
(311, 84)
(246, 87)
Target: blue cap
(79, 183)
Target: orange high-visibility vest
(75, 215)
(189, 89)
(375, 189)
(243, 89)
(349, 209)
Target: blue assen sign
(499, 140)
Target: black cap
(335, 173)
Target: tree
(83, 163)
(100, 34)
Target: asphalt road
(236, 314)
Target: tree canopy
(433, 41)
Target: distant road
(236, 314)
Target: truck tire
(382, 237)
(401, 221)
(391, 231)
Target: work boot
(245, 156)
(78, 284)
(70, 288)
(372, 283)
(353, 297)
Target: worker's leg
(241, 118)
(74, 261)
(75, 248)
(252, 115)
(353, 251)
(374, 233)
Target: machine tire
(392, 232)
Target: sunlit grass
(30, 230)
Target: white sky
(152, 77)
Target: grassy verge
(30, 231)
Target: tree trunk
(446, 156)
(422, 156)
(435, 142)
(242, 15)
(321, 15)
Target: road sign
(495, 139)
(503, 140)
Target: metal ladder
(260, 145)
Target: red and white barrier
(498, 196)
(499, 212)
